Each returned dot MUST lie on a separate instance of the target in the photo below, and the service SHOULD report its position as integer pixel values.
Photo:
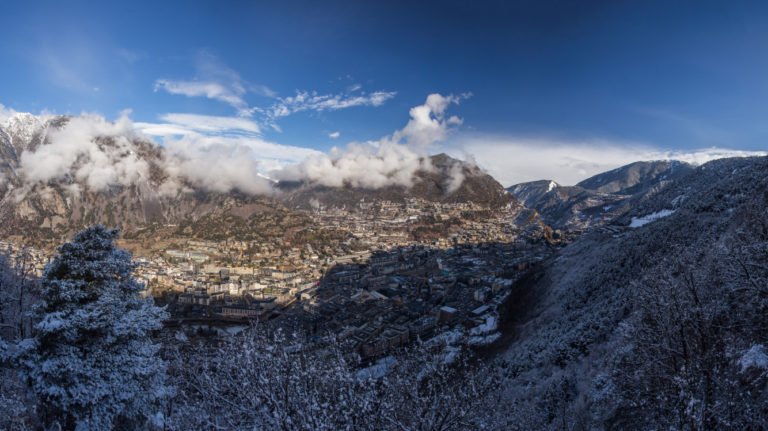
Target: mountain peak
(449, 181)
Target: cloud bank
(90, 150)
(5, 113)
(227, 153)
(222, 164)
(391, 161)
(513, 160)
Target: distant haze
(513, 160)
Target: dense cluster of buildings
(376, 286)
(28, 260)
(410, 293)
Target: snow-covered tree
(18, 290)
(696, 361)
(263, 380)
(92, 362)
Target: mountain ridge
(57, 206)
(599, 199)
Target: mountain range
(652, 316)
(601, 198)
(147, 190)
(41, 205)
(628, 324)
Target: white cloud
(99, 153)
(334, 135)
(223, 164)
(305, 101)
(5, 113)
(185, 124)
(230, 94)
(162, 129)
(393, 160)
(513, 160)
(75, 151)
(216, 81)
(428, 123)
(358, 165)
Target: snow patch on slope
(641, 221)
(551, 187)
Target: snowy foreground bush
(272, 381)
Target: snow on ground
(489, 326)
(754, 358)
(446, 338)
(641, 221)
(484, 334)
(450, 353)
(381, 368)
(483, 341)
(552, 185)
(678, 200)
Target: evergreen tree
(92, 361)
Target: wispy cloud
(230, 94)
(215, 81)
(306, 101)
(334, 135)
(128, 56)
(185, 124)
(73, 69)
(513, 160)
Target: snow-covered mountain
(634, 330)
(637, 177)
(601, 198)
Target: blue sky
(585, 86)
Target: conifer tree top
(92, 361)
